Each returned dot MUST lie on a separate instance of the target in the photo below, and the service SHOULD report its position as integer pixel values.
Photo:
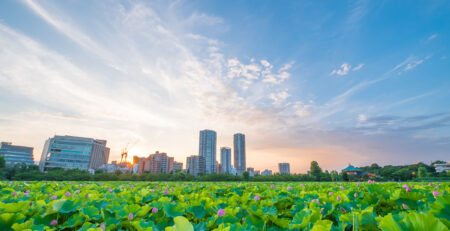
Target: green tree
(422, 172)
(246, 175)
(315, 170)
(334, 175)
(345, 176)
(2, 162)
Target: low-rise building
(442, 167)
(15, 154)
(266, 172)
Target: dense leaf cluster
(223, 206)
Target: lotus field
(223, 206)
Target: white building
(284, 168)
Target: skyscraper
(14, 154)
(207, 149)
(284, 168)
(225, 159)
(73, 152)
(239, 153)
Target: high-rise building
(70, 152)
(14, 154)
(157, 163)
(207, 149)
(239, 152)
(225, 160)
(284, 168)
(195, 165)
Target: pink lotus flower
(67, 194)
(343, 210)
(405, 186)
(408, 189)
(102, 226)
(338, 198)
(257, 198)
(54, 197)
(110, 190)
(77, 192)
(355, 195)
(154, 210)
(436, 193)
(53, 222)
(272, 186)
(221, 213)
(132, 187)
(130, 216)
(342, 188)
(404, 206)
(316, 200)
(166, 192)
(330, 193)
(13, 193)
(152, 190)
(28, 191)
(289, 188)
(321, 210)
(25, 194)
(370, 181)
(358, 183)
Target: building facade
(177, 166)
(14, 154)
(195, 165)
(225, 160)
(266, 172)
(71, 152)
(207, 149)
(239, 152)
(284, 168)
(251, 171)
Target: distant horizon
(357, 82)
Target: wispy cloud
(345, 68)
(433, 36)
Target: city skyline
(361, 82)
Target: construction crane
(124, 155)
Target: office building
(195, 165)
(71, 152)
(14, 154)
(207, 149)
(239, 152)
(266, 172)
(284, 168)
(225, 160)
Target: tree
(2, 162)
(422, 172)
(315, 170)
(345, 176)
(246, 175)
(334, 175)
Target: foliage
(243, 206)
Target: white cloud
(412, 65)
(280, 97)
(433, 36)
(358, 67)
(247, 73)
(362, 118)
(345, 68)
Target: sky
(338, 82)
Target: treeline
(418, 172)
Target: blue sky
(334, 81)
